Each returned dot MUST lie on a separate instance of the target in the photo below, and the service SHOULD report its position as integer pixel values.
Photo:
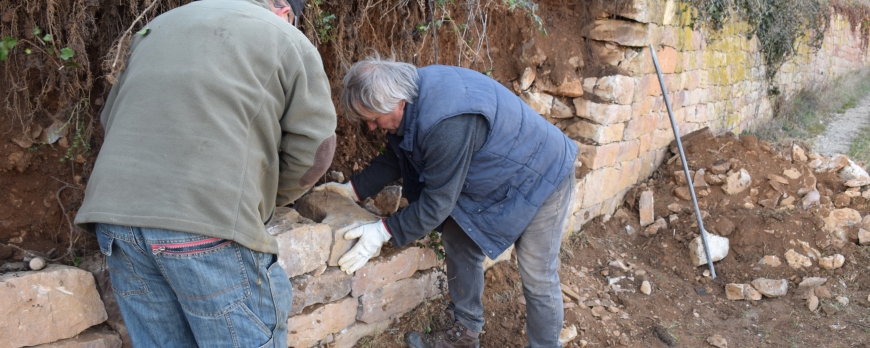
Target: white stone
(527, 78)
(854, 173)
(645, 288)
(568, 334)
(718, 249)
(770, 260)
(863, 237)
(796, 260)
(717, 341)
(832, 262)
(55, 303)
(812, 282)
(737, 182)
(771, 287)
(838, 222)
(645, 208)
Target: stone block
(718, 249)
(584, 215)
(603, 114)
(339, 213)
(639, 126)
(55, 303)
(645, 208)
(642, 108)
(561, 110)
(617, 89)
(628, 150)
(600, 186)
(306, 330)
(625, 33)
(571, 87)
(667, 59)
(597, 156)
(303, 245)
(597, 133)
(608, 52)
(542, 103)
(94, 337)
(638, 10)
(734, 291)
(308, 290)
(381, 271)
(771, 287)
(348, 337)
(398, 297)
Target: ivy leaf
(66, 53)
(46, 38)
(6, 45)
(27, 51)
(72, 65)
(37, 31)
(144, 31)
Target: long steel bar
(683, 159)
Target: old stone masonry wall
(714, 79)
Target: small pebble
(37, 264)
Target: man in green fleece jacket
(222, 113)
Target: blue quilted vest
(522, 162)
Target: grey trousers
(538, 260)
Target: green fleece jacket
(222, 113)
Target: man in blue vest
(478, 163)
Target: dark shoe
(457, 336)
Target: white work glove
(371, 237)
(345, 190)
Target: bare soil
(606, 266)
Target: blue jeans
(178, 289)
(538, 261)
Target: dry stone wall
(715, 79)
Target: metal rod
(683, 159)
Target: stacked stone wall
(714, 79)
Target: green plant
(530, 8)
(778, 24)
(325, 30)
(46, 46)
(434, 243)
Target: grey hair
(377, 86)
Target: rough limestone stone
(838, 222)
(505, 256)
(863, 237)
(771, 287)
(92, 338)
(737, 182)
(55, 303)
(381, 271)
(717, 341)
(792, 173)
(332, 285)
(734, 291)
(834, 164)
(348, 337)
(398, 297)
(796, 260)
(645, 207)
(645, 288)
(770, 260)
(720, 166)
(718, 249)
(749, 293)
(832, 262)
(625, 33)
(854, 175)
(339, 213)
(655, 228)
(813, 302)
(386, 202)
(303, 245)
(683, 193)
(617, 89)
(798, 154)
(527, 78)
(306, 330)
(542, 103)
(812, 282)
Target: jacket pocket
(494, 202)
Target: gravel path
(841, 129)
